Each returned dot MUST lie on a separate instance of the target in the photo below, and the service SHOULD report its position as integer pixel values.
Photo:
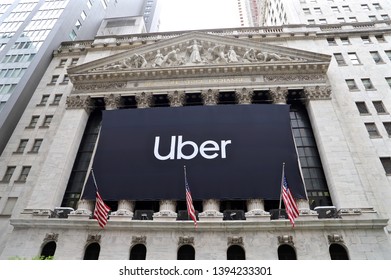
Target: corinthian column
(176, 98)
(244, 95)
(210, 96)
(279, 95)
(112, 102)
(143, 99)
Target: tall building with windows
(232, 106)
(29, 32)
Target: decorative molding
(79, 102)
(210, 96)
(335, 238)
(139, 239)
(186, 240)
(93, 238)
(177, 98)
(318, 93)
(112, 101)
(285, 239)
(279, 95)
(235, 240)
(96, 86)
(143, 99)
(51, 237)
(295, 78)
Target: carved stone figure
(159, 58)
(171, 57)
(231, 55)
(217, 53)
(195, 52)
(136, 61)
(249, 55)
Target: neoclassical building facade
(345, 216)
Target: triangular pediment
(197, 49)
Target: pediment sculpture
(196, 52)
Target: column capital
(244, 95)
(210, 96)
(143, 99)
(176, 98)
(279, 95)
(112, 101)
(317, 93)
(79, 102)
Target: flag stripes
(289, 202)
(101, 211)
(189, 202)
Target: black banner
(230, 152)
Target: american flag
(290, 204)
(101, 211)
(189, 203)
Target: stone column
(244, 95)
(84, 210)
(279, 95)
(166, 211)
(143, 99)
(211, 211)
(304, 210)
(125, 210)
(256, 210)
(52, 181)
(210, 96)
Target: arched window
(235, 252)
(286, 252)
(338, 252)
(49, 249)
(92, 251)
(138, 252)
(186, 252)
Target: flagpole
(282, 183)
(93, 178)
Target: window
(387, 126)
(92, 252)
(352, 19)
(367, 84)
(65, 80)
(338, 252)
(341, 20)
(372, 130)
(22, 146)
(74, 61)
(24, 173)
(346, 9)
(56, 99)
(36, 146)
(331, 41)
(54, 79)
(362, 107)
(317, 11)
(335, 9)
(306, 11)
(377, 6)
(351, 84)
(311, 21)
(385, 17)
(138, 252)
(365, 7)
(44, 99)
(388, 54)
(322, 21)
(388, 80)
(72, 35)
(386, 162)
(48, 249)
(83, 15)
(376, 57)
(345, 41)
(89, 4)
(47, 121)
(372, 18)
(62, 63)
(286, 252)
(354, 58)
(8, 174)
(9, 206)
(366, 39)
(380, 38)
(186, 252)
(379, 107)
(339, 58)
(33, 122)
(236, 252)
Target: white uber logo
(209, 149)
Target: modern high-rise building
(231, 113)
(29, 32)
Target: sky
(198, 14)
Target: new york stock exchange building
(234, 108)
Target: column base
(210, 216)
(80, 214)
(165, 215)
(257, 215)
